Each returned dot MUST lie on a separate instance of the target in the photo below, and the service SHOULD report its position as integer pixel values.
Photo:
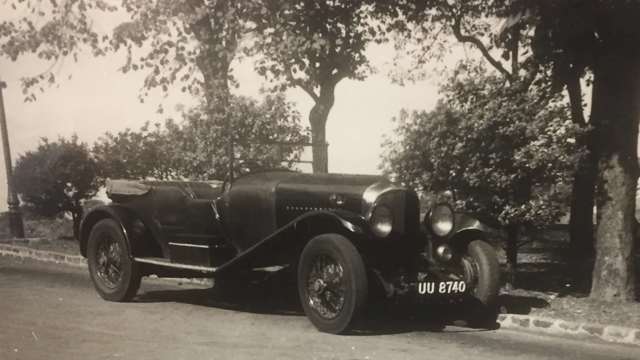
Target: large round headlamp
(441, 220)
(381, 221)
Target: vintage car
(342, 234)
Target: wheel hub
(319, 286)
(109, 262)
(470, 270)
(326, 287)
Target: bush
(56, 178)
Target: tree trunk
(218, 44)
(318, 120)
(615, 115)
(581, 240)
(513, 235)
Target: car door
(188, 223)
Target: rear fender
(136, 233)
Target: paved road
(52, 312)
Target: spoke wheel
(332, 283)
(109, 262)
(115, 275)
(326, 286)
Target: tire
(115, 275)
(335, 257)
(483, 309)
(488, 271)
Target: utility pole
(16, 226)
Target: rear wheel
(332, 283)
(115, 275)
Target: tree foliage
(52, 31)
(128, 154)
(57, 177)
(427, 30)
(509, 154)
(265, 134)
(189, 43)
(310, 43)
(186, 42)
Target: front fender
(468, 228)
(277, 242)
(465, 222)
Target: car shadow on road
(380, 318)
(385, 318)
(252, 297)
(275, 296)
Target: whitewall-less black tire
(115, 275)
(332, 283)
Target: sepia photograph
(319, 179)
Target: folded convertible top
(126, 187)
(129, 189)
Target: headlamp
(441, 220)
(381, 221)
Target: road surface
(50, 311)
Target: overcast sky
(98, 98)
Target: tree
(57, 177)
(184, 36)
(191, 44)
(51, 31)
(508, 153)
(176, 38)
(142, 154)
(188, 44)
(313, 45)
(432, 25)
(603, 36)
(266, 134)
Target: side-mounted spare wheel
(115, 275)
(332, 283)
(483, 261)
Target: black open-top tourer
(342, 234)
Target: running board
(167, 263)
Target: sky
(98, 98)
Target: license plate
(441, 287)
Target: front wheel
(115, 275)
(483, 269)
(332, 283)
